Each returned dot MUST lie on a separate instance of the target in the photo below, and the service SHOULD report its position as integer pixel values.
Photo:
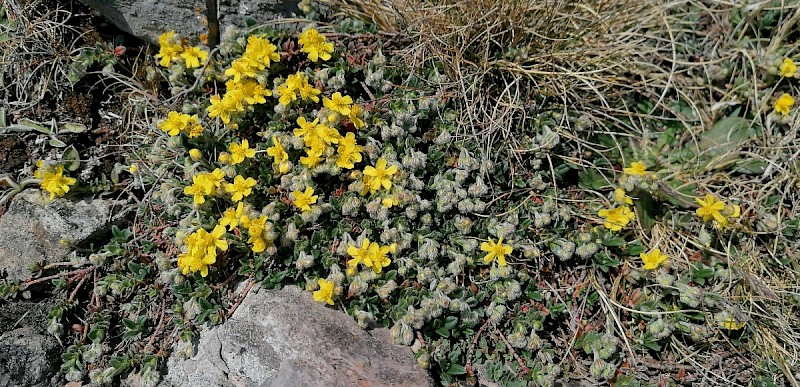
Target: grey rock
(35, 229)
(28, 355)
(147, 19)
(284, 338)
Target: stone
(283, 338)
(147, 19)
(29, 356)
(35, 229)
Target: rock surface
(29, 356)
(34, 229)
(284, 338)
(147, 19)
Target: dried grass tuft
(507, 61)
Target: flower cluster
(201, 250)
(245, 87)
(315, 45)
(205, 184)
(172, 50)
(370, 254)
(296, 85)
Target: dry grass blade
(37, 44)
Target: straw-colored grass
(507, 61)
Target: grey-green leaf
(71, 158)
(722, 143)
(72, 128)
(57, 143)
(33, 125)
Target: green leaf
(683, 193)
(456, 369)
(592, 179)
(614, 242)
(751, 166)
(98, 332)
(700, 272)
(72, 128)
(723, 141)
(57, 143)
(33, 125)
(71, 158)
(645, 206)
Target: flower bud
(195, 154)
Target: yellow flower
(616, 218)
(303, 200)
(637, 168)
(327, 134)
(349, 152)
(355, 113)
(133, 168)
(378, 256)
(495, 251)
(256, 228)
(195, 131)
(734, 211)
(240, 187)
(240, 151)
(41, 167)
(178, 122)
(711, 208)
(653, 259)
(168, 53)
(729, 322)
(223, 107)
(224, 157)
(261, 51)
(255, 93)
(788, 68)
(339, 104)
(233, 216)
(167, 37)
(379, 175)
(325, 292)
(621, 198)
(204, 184)
(279, 156)
(202, 249)
(194, 56)
(315, 45)
(239, 69)
(196, 190)
(784, 104)
(308, 92)
(388, 202)
(286, 94)
(54, 181)
(216, 238)
(195, 154)
(313, 156)
(360, 254)
(306, 128)
(295, 83)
